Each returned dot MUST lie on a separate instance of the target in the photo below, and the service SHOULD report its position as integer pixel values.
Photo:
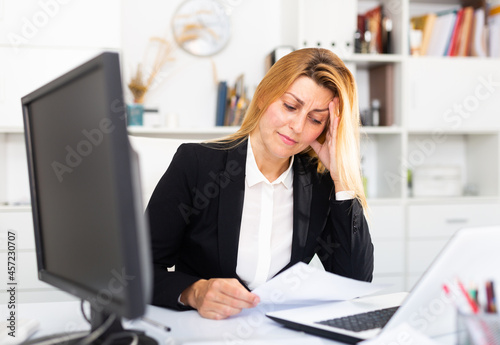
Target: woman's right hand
(218, 298)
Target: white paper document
(304, 284)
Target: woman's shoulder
(207, 152)
(209, 147)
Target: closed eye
(316, 121)
(289, 107)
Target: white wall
(187, 88)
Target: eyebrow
(301, 102)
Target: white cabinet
(387, 229)
(453, 93)
(442, 221)
(431, 226)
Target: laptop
(472, 254)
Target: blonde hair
(329, 71)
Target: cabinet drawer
(444, 220)
(387, 222)
(21, 222)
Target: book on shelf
(452, 48)
(423, 24)
(464, 43)
(232, 103)
(382, 89)
(373, 24)
(478, 44)
(470, 30)
(441, 33)
(221, 103)
(494, 31)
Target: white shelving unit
(431, 129)
(407, 232)
(447, 113)
(182, 133)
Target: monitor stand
(114, 334)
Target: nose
(297, 123)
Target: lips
(287, 140)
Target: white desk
(187, 326)
(251, 327)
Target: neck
(271, 167)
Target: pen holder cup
(478, 329)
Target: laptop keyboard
(362, 322)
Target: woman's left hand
(327, 152)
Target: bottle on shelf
(375, 112)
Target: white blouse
(265, 243)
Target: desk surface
(251, 327)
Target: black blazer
(195, 216)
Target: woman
(233, 213)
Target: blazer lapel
(302, 195)
(232, 191)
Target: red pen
(470, 301)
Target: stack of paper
(304, 284)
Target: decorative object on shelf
(375, 108)
(437, 181)
(201, 27)
(135, 114)
(139, 86)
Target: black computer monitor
(90, 232)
